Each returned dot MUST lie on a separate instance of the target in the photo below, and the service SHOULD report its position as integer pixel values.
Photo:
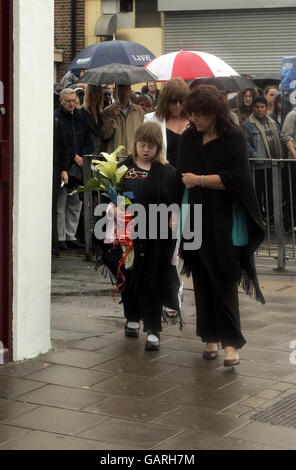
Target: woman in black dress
(171, 115)
(213, 165)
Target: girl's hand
(190, 180)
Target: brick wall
(63, 34)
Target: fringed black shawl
(227, 157)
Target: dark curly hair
(207, 99)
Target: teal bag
(240, 236)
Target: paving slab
(8, 433)
(202, 418)
(99, 390)
(76, 358)
(11, 387)
(11, 408)
(201, 396)
(191, 440)
(23, 368)
(69, 376)
(62, 397)
(39, 440)
(125, 432)
(268, 434)
(138, 387)
(129, 407)
(56, 420)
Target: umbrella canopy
(189, 65)
(265, 79)
(234, 83)
(109, 52)
(120, 74)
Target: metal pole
(278, 213)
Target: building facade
(69, 33)
(250, 36)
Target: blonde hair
(88, 98)
(151, 133)
(177, 89)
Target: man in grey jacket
(263, 141)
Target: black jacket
(60, 150)
(77, 132)
(227, 157)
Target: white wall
(33, 127)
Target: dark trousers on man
(56, 181)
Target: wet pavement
(97, 389)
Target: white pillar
(33, 127)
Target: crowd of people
(183, 142)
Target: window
(126, 6)
(147, 15)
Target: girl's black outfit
(218, 266)
(153, 281)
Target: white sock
(133, 324)
(152, 338)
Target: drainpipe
(73, 29)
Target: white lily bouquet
(108, 177)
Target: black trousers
(136, 291)
(135, 308)
(56, 181)
(217, 310)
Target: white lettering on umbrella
(141, 57)
(83, 61)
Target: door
(6, 153)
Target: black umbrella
(110, 52)
(266, 79)
(233, 83)
(120, 74)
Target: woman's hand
(190, 180)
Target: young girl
(153, 281)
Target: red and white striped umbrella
(189, 65)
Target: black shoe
(231, 362)
(75, 244)
(131, 332)
(152, 345)
(63, 246)
(210, 355)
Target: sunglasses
(176, 100)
